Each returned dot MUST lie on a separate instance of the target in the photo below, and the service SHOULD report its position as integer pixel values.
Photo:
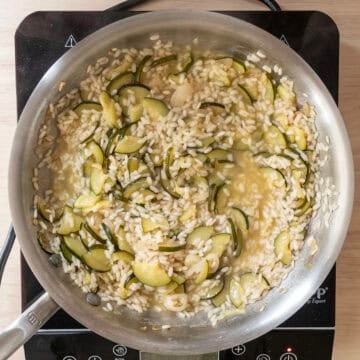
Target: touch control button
(119, 350)
(263, 357)
(288, 356)
(239, 350)
(69, 357)
(94, 357)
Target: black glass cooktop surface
(308, 335)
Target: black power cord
(127, 4)
(272, 5)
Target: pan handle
(31, 320)
(26, 325)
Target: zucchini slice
(188, 214)
(87, 105)
(135, 186)
(139, 91)
(281, 119)
(135, 112)
(286, 94)
(157, 160)
(115, 71)
(169, 161)
(212, 196)
(93, 233)
(300, 138)
(97, 181)
(132, 279)
(299, 202)
(140, 67)
(275, 138)
(123, 256)
(201, 233)
(179, 279)
(282, 248)
(252, 90)
(168, 289)
(238, 65)
(269, 89)
(189, 61)
(274, 176)
(163, 60)
(114, 137)
(85, 201)
(171, 246)
(170, 187)
(45, 213)
(251, 282)
(144, 196)
(91, 135)
(201, 271)
(301, 174)
(75, 245)
(201, 157)
(245, 95)
(66, 252)
(180, 289)
(221, 78)
(155, 108)
(221, 198)
(69, 222)
(151, 274)
(206, 142)
(236, 293)
(129, 145)
(219, 244)
(102, 204)
(303, 209)
(217, 108)
(240, 219)
(123, 244)
(237, 237)
(213, 289)
(44, 244)
(200, 181)
(110, 235)
(149, 225)
(133, 165)
(220, 298)
(219, 155)
(96, 153)
(139, 166)
(96, 259)
(119, 81)
(109, 109)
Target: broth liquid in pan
(308, 335)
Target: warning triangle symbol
(70, 42)
(284, 39)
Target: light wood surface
(346, 14)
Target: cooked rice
(183, 129)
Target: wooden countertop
(346, 14)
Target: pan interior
(193, 335)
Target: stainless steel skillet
(194, 335)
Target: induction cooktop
(40, 40)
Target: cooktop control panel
(276, 345)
